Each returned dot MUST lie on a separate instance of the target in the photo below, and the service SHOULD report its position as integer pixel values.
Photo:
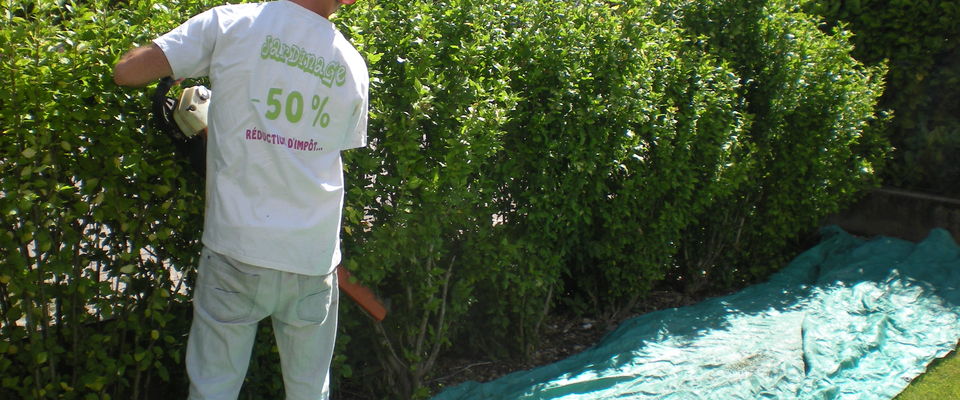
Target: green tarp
(847, 319)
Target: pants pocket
(316, 293)
(226, 293)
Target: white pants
(230, 298)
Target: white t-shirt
(289, 92)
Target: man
(289, 93)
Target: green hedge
(813, 143)
(95, 208)
(418, 210)
(920, 40)
(623, 143)
(523, 156)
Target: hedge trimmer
(184, 120)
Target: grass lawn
(941, 381)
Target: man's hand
(141, 66)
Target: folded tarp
(847, 319)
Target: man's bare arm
(141, 66)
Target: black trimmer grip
(194, 148)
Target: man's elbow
(121, 75)
(127, 73)
(141, 66)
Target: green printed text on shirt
(330, 73)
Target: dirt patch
(563, 336)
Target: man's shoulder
(242, 6)
(239, 10)
(352, 57)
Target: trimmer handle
(361, 295)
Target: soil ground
(563, 336)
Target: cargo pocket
(226, 293)
(313, 304)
